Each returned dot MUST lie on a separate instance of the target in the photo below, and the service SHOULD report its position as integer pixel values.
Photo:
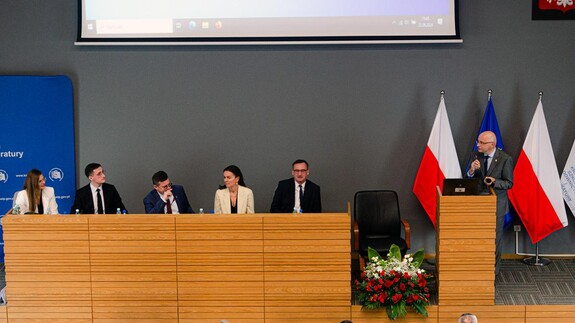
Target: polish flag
(439, 162)
(536, 192)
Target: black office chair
(377, 223)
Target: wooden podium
(466, 249)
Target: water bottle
(201, 211)
(295, 210)
(118, 211)
(77, 211)
(16, 209)
(124, 212)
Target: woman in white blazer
(234, 196)
(35, 190)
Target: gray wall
(361, 115)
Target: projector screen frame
(291, 40)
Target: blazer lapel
(493, 162)
(226, 209)
(240, 201)
(45, 203)
(89, 202)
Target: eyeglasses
(169, 185)
(483, 142)
(299, 170)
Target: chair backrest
(377, 213)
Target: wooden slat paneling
(307, 265)
(466, 244)
(133, 268)
(501, 313)
(47, 268)
(220, 268)
(549, 313)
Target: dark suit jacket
(501, 169)
(85, 202)
(153, 203)
(284, 197)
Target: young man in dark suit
(98, 197)
(297, 193)
(166, 197)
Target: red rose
(402, 287)
(388, 283)
(396, 298)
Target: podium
(465, 249)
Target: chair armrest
(407, 233)
(355, 236)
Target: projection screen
(266, 22)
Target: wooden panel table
(220, 268)
(47, 268)
(178, 268)
(307, 268)
(133, 268)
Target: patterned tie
(100, 204)
(168, 206)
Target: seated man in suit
(98, 197)
(166, 197)
(297, 193)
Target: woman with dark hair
(36, 197)
(234, 196)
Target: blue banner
(38, 132)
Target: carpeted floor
(522, 284)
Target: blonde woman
(36, 197)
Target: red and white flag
(439, 162)
(536, 192)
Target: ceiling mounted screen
(266, 22)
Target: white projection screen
(266, 21)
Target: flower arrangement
(394, 283)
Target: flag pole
(489, 92)
(433, 260)
(537, 261)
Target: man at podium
(495, 169)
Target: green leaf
(392, 312)
(394, 252)
(371, 253)
(402, 310)
(418, 258)
(419, 308)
